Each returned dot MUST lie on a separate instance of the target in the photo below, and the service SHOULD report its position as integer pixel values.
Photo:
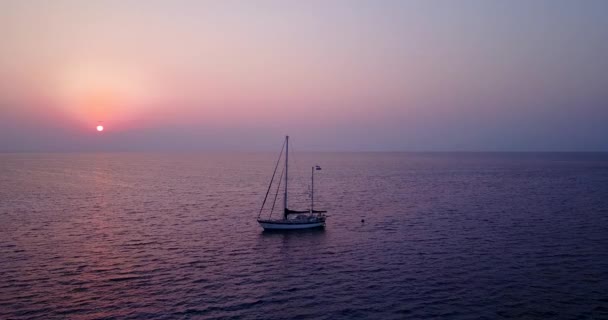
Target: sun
(100, 128)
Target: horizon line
(298, 151)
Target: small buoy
(362, 220)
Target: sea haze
(453, 235)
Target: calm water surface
(446, 235)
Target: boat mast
(312, 190)
(286, 158)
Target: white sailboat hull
(289, 225)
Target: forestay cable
(272, 179)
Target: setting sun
(99, 128)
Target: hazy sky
(335, 75)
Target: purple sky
(335, 75)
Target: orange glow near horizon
(100, 92)
(100, 128)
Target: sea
(408, 236)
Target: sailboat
(291, 219)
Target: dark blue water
(446, 235)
